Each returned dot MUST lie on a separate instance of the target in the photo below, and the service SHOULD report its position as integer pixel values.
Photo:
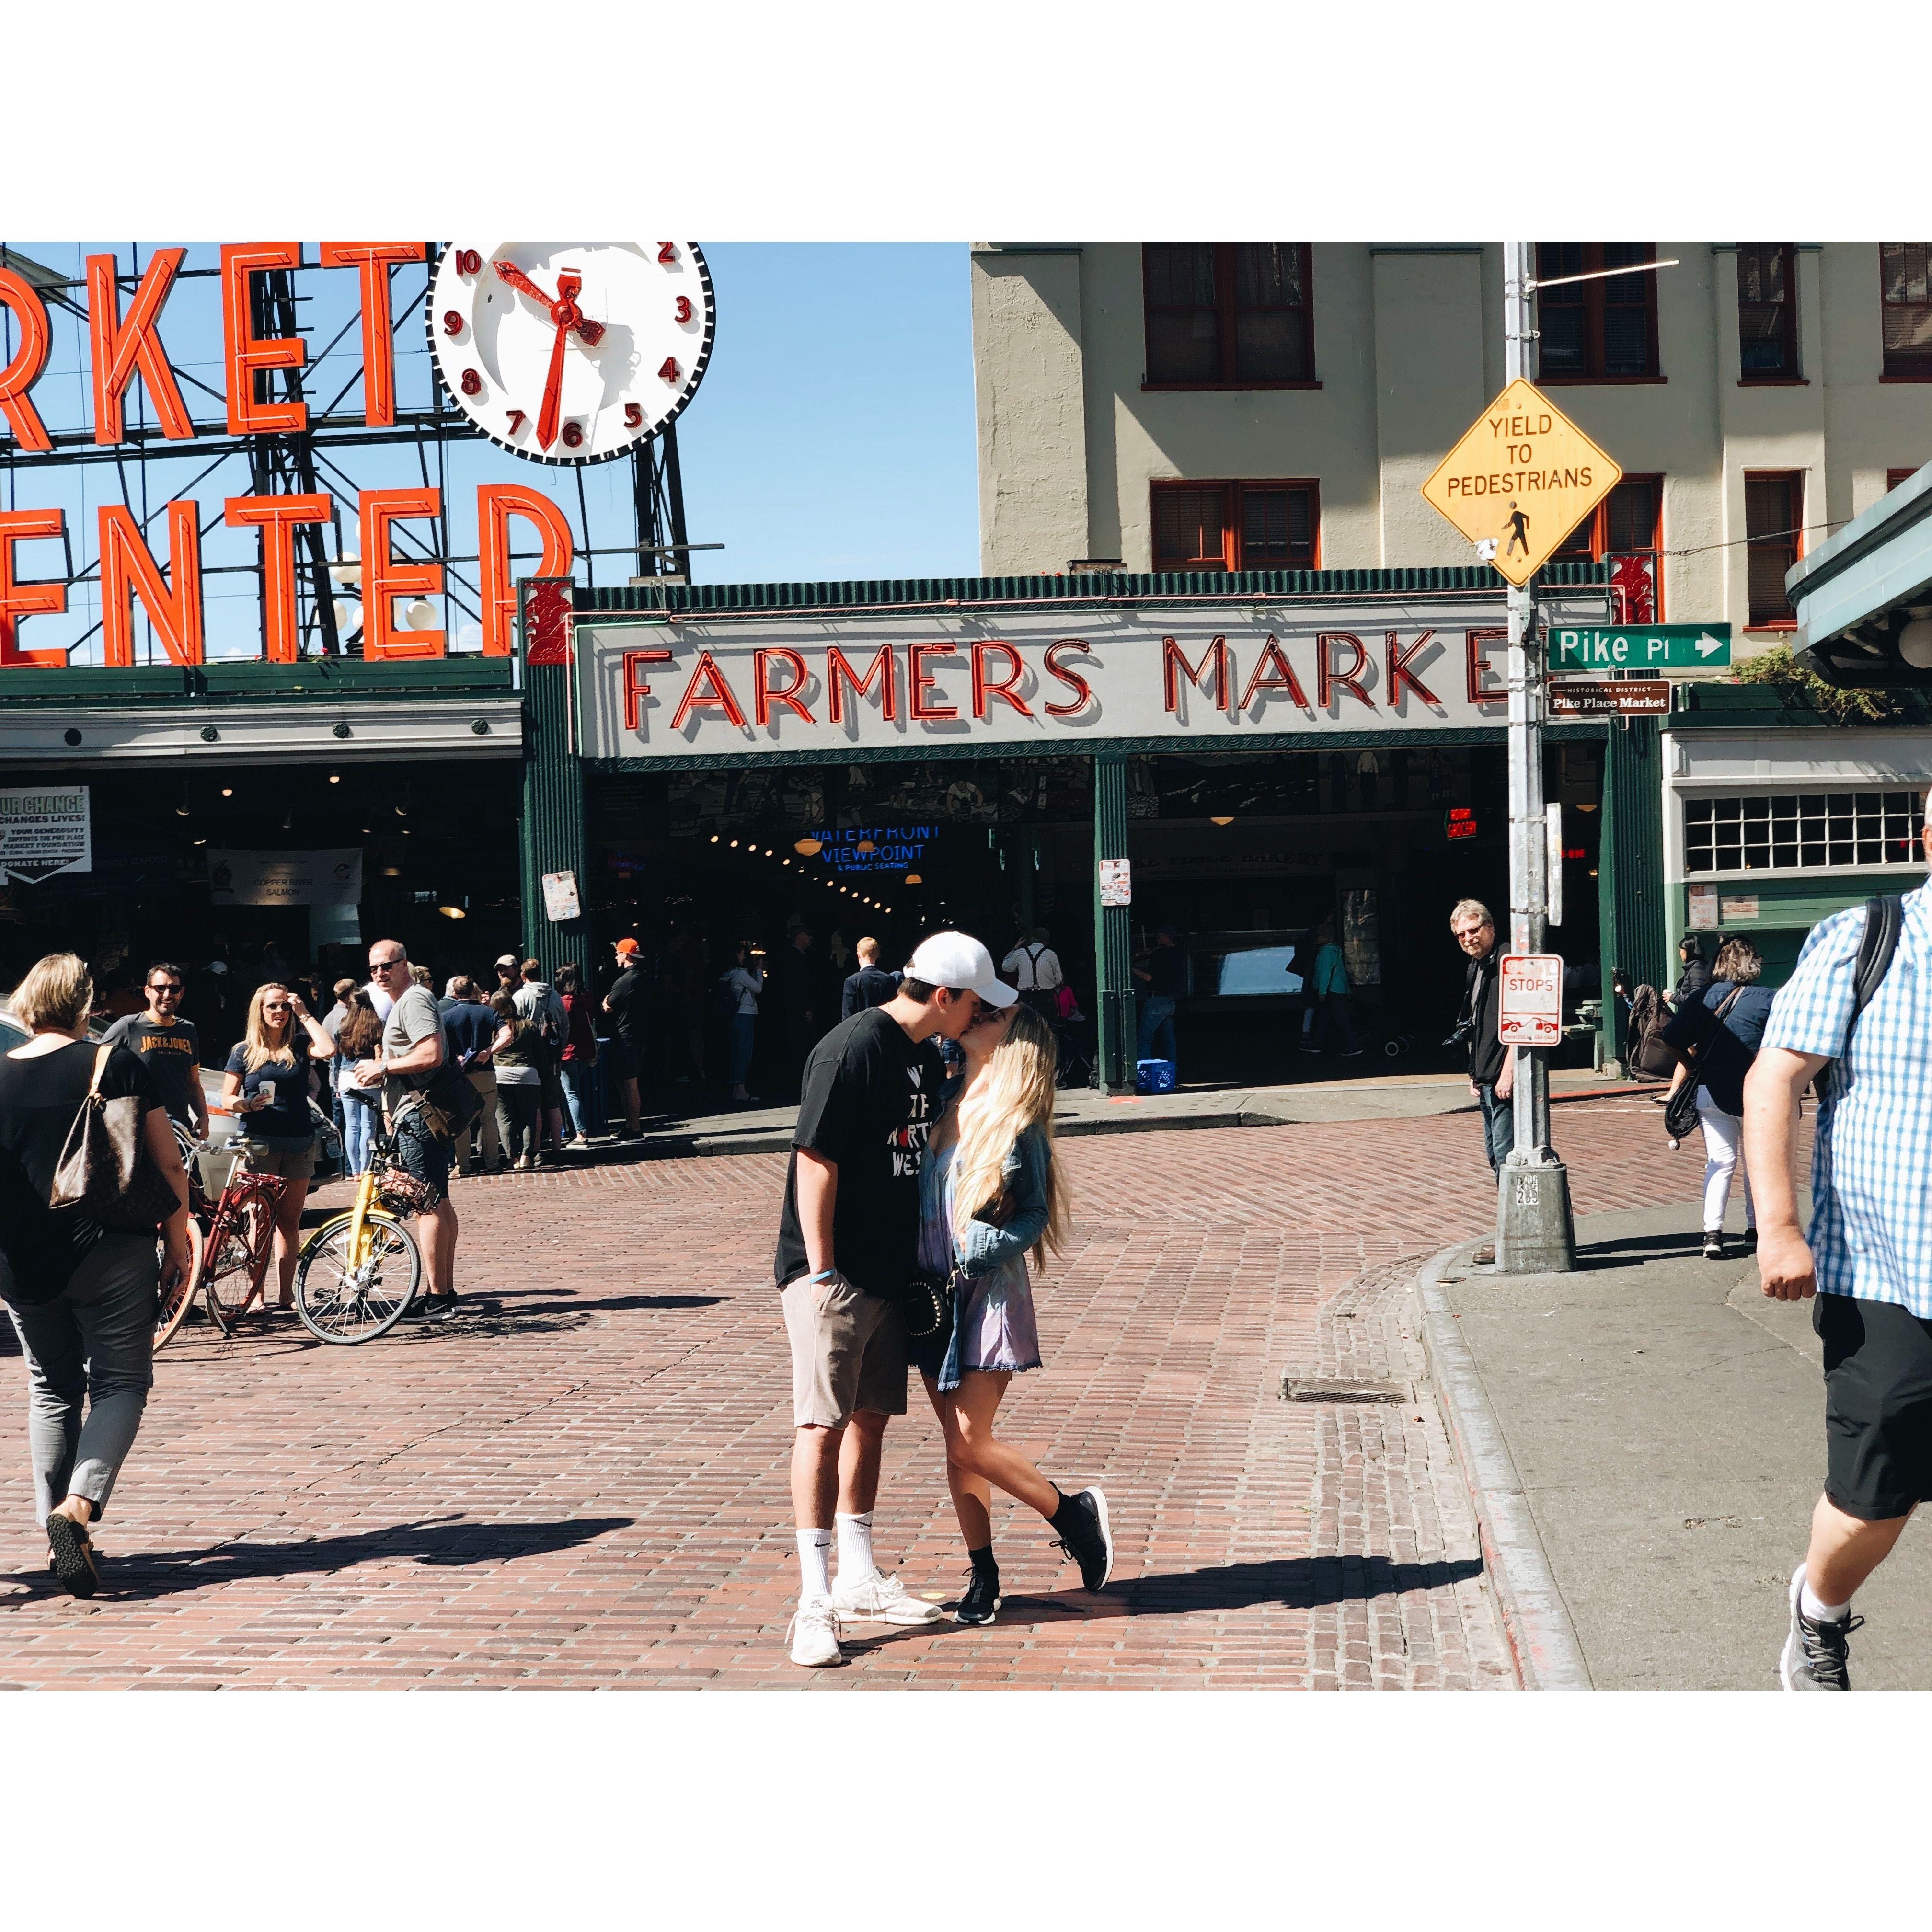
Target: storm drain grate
(1321, 1388)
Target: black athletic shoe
(439, 1308)
(981, 1603)
(1713, 1245)
(1086, 1537)
(71, 1556)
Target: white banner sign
(45, 830)
(1015, 679)
(286, 878)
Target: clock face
(570, 352)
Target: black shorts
(620, 1060)
(420, 1151)
(1878, 1405)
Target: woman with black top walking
(1719, 1032)
(83, 1298)
(991, 1190)
(265, 1086)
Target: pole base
(1535, 1233)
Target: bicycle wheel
(234, 1264)
(172, 1309)
(340, 1303)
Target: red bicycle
(231, 1235)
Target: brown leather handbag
(105, 1171)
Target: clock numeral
(573, 435)
(517, 419)
(669, 370)
(472, 384)
(452, 322)
(634, 415)
(469, 262)
(666, 252)
(684, 308)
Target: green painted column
(1113, 949)
(552, 831)
(1630, 864)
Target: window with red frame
(1767, 312)
(1774, 541)
(1905, 302)
(1227, 314)
(1600, 331)
(1626, 531)
(1271, 526)
(1893, 478)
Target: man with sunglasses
(169, 1044)
(412, 1050)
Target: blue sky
(833, 435)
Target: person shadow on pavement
(448, 1542)
(1300, 1582)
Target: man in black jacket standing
(871, 986)
(1492, 1066)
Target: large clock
(570, 352)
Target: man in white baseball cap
(848, 1245)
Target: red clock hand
(509, 272)
(553, 395)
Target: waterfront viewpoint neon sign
(124, 345)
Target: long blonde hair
(1014, 1092)
(260, 1050)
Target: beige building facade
(1271, 406)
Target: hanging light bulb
(864, 845)
(420, 615)
(227, 791)
(335, 778)
(807, 847)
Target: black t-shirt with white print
(871, 1096)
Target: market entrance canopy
(1523, 476)
(1864, 597)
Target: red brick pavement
(590, 1490)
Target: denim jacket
(987, 1248)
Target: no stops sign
(1529, 1011)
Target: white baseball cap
(958, 960)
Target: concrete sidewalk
(1085, 1110)
(1666, 1422)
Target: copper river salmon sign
(1523, 476)
(808, 684)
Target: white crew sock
(1811, 1605)
(855, 1547)
(814, 1555)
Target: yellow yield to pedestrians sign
(1523, 476)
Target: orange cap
(629, 946)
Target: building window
(1626, 531)
(1596, 332)
(1767, 312)
(1893, 478)
(1852, 830)
(1773, 520)
(1236, 525)
(1906, 306)
(1227, 314)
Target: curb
(1536, 1622)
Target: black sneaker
(1713, 1245)
(71, 1556)
(981, 1603)
(439, 1307)
(1086, 1537)
(1816, 1654)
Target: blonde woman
(82, 1297)
(990, 1190)
(265, 1086)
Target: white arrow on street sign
(1706, 644)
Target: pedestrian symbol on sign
(1518, 530)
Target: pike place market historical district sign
(814, 684)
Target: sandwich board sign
(1523, 476)
(1529, 1012)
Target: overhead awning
(1857, 591)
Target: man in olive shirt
(169, 1045)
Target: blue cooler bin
(1153, 1076)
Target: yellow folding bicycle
(359, 1271)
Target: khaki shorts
(291, 1163)
(848, 1355)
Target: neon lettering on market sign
(164, 579)
(812, 681)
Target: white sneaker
(814, 1632)
(881, 1599)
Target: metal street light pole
(1535, 1233)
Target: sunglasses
(386, 965)
(166, 992)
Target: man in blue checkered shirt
(1868, 1259)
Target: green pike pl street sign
(1649, 647)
